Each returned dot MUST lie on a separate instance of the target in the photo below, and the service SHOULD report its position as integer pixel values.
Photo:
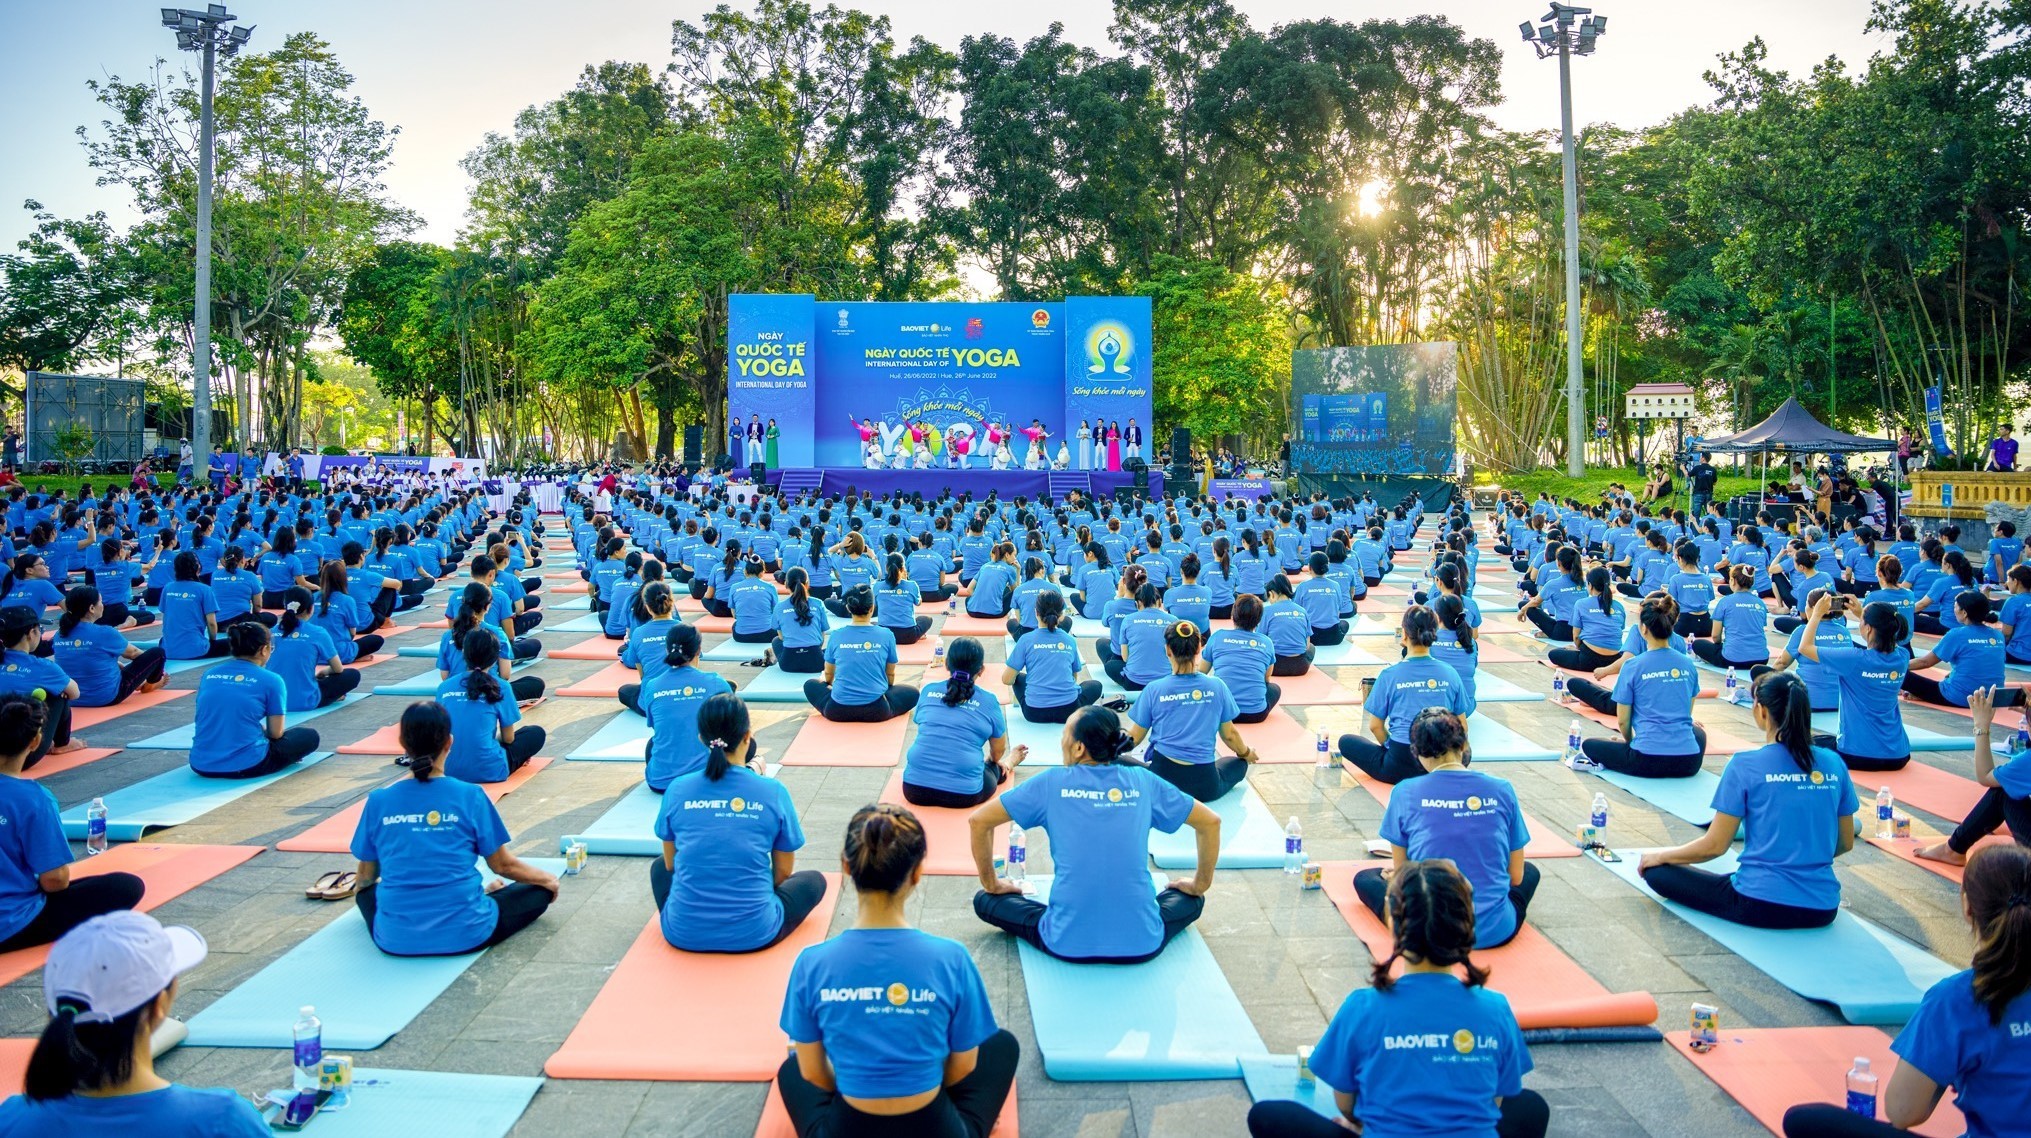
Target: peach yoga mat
(948, 838)
(335, 834)
(1769, 1070)
(169, 872)
(823, 743)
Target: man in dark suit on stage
(1131, 441)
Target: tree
(1222, 356)
(63, 296)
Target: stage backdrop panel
(770, 372)
(1107, 366)
(1375, 411)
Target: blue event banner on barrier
(824, 381)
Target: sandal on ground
(324, 882)
(346, 885)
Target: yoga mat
(363, 995)
(627, 829)
(335, 834)
(964, 624)
(1718, 742)
(823, 743)
(1546, 988)
(591, 648)
(1373, 624)
(424, 683)
(603, 684)
(1545, 842)
(384, 741)
(14, 1055)
(1109, 690)
(1690, 799)
(179, 667)
(1342, 655)
(1937, 792)
(1496, 654)
(1490, 688)
(1870, 975)
(711, 624)
(1043, 740)
(579, 603)
(1493, 742)
(622, 739)
(775, 1121)
(1174, 1017)
(588, 623)
(1280, 739)
(1272, 1078)
(1906, 849)
(774, 685)
(1313, 689)
(670, 1015)
(83, 717)
(948, 838)
(1250, 835)
(1920, 738)
(168, 871)
(436, 1103)
(733, 652)
(1769, 1070)
(417, 651)
(68, 761)
(171, 799)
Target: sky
(448, 71)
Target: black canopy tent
(1791, 429)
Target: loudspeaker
(694, 442)
(1142, 479)
(1134, 465)
(757, 473)
(1179, 475)
(1181, 445)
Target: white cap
(112, 964)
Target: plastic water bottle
(2022, 742)
(95, 827)
(1862, 1088)
(1886, 811)
(1558, 686)
(1018, 854)
(309, 1035)
(938, 655)
(1325, 759)
(1293, 846)
(1597, 817)
(951, 605)
(1732, 681)
(1573, 741)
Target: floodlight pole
(1576, 398)
(201, 320)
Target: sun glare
(1372, 199)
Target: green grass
(1590, 486)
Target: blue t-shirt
(1820, 683)
(1742, 617)
(2017, 614)
(1974, 652)
(234, 701)
(947, 753)
(753, 602)
(339, 619)
(722, 887)
(991, 588)
(671, 702)
(896, 606)
(90, 654)
(809, 634)
(1050, 663)
(1601, 630)
(33, 593)
(236, 592)
(1792, 819)
(860, 655)
(297, 657)
(1242, 661)
(1025, 600)
(174, 1111)
(1140, 638)
(1951, 1041)
(476, 751)
(278, 571)
(1288, 627)
(1193, 603)
(646, 647)
(1872, 725)
(1472, 819)
(1183, 715)
(1693, 591)
(1660, 686)
(31, 844)
(426, 839)
(185, 605)
(1428, 1057)
(1099, 818)
(1409, 686)
(1322, 599)
(890, 1005)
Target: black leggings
(1023, 917)
(516, 907)
(83, 899)
(1995, 810)
(56, 728)
(284, 752)
(1711, 652)
(1691, 624)
(900, 699)
(529, 739)
(1618, 756)
(1579, 659)
(1293, 665)
(806, 661)
(1925, 689)
(761, 636)
(910, 633)
(332, 688)
(800, 893)
(1117, 670)
(1089, 693)
(1373, 889)
(1596, 696)
(367, 645)
(1336, 634)
(1271, 693)
(1715, 893)
(1391, 764)
(526, 688)
(991, 778)
(1524, 1115)
(968, 1108)
(118, 614)
(1555, 629)
(1203, 781)
(143, 669)
(1825, 1120)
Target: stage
(978, 482)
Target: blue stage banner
(770, 375)
(1935, 422)
(1107, 371)
(936, 376)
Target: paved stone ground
(1287, 953)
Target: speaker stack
(1180, 473)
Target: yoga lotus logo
(1114, 794)
(899, 994)
(433, 818)
(1109, 348)
(1463, 1041)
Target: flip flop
(342, 889)
(325, 881)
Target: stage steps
(805, 480)
(1063, 482)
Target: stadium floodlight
(205, 32)
(1562, 32)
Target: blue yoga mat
(418, 651)
(1345, 654)
(731, 651)
(578, 602)
(627, 829)
(428, 1102)
(1041, 738)
(1496, 743)
(774, 685)
(590, 622)
(178, 667)
(1171, 1018)
(1111, 690)
(1922, 739)
(171, 799)
(622, 739)
(1250, 835)
(180, 738)
(1369, 624)
(1871, 975)
(1690, 799)
(1490, 688)
(1275, 1078)
(425, 682)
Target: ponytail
(1451, 612)
(76, 605)
(964, 658)
(424, 732)
(1098, 729)
(295, 604)
(71, 1056)
(481, 654)
(1785, 699)
(1997, 885)
(722, 725)
(681, 645)
(1431, 914)
(800, 594)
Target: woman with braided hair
(1424, 1051)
